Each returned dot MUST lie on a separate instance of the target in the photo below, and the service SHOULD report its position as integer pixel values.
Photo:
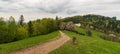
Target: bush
(70, 26)
(21, 33)
(3, 31)
(89, 33)
(78, 33)
(11, 29)
(43, 26)
(67, 26)
(110, 38)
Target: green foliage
(11, 29)
(74, 19)
(30, 28)
(58, 21)
(62, 25)
(44, 26)
(3, 30)
(21, 20)
(21, 33)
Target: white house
(78, 24)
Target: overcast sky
(33, 9)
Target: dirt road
(45, 48)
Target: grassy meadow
(88, 44)
(6, 48)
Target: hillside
(88, 45)
(102, 23)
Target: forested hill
(103, 23)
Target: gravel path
(45, 48)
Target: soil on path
(45, 48)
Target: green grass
(6, 48)
(88, 45)
(95, 34)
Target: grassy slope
(88, 45)
(27, 42)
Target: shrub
(89, 33)
(21, 33)
(3, 30)
(110, 38)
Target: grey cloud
(112, 2)
(55, 8)
(8, 10)
(52, 10)
(8, 0)
(72, 12)
(69, 7)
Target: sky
(36, 9)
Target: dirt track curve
(46, 47)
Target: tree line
(98, 22)
(10, 30)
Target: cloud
(7, 0)
(53, 6)
(60, 7)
